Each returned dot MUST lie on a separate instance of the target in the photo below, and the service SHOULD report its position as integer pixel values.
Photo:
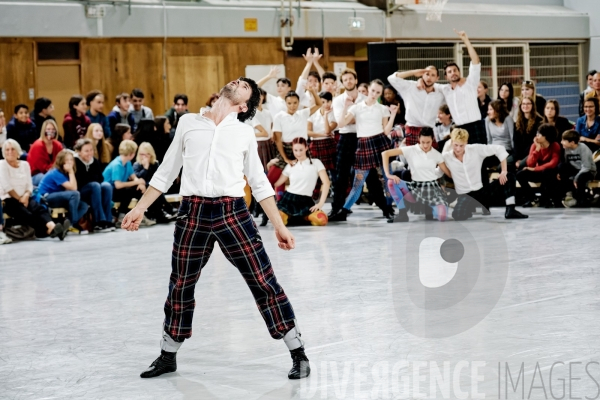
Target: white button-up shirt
(421, 107)
(467, 174)
(215, 159)
(462, 100)
(292, 126)
(338, 109)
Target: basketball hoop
(435, 8)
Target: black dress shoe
(165, 363)
(389, 212)
(265, 219)
(301, 366)
(402, 217)
(512, 213)
(340, 216)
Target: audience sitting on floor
(43, 152)
(120, 132)
(16, 189)
(75, 123)
(22, 129)
(526, 126)
(42, 111)
(95, 102)
(102, 147)
(575, 171)
(588, 126)
(91, 186)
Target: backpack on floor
(19, 232)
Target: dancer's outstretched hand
(285, 238)
(132, 220)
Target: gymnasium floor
(81, 319)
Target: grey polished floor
(82, 318)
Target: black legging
(34, 215)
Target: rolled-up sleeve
(172, 162)
(255, 173)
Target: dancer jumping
(216, 151)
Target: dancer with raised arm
(216, 150)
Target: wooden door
(196, 76)
(58, 83)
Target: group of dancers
(223, 149)
(352, 141)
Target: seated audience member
(75, 123)
(320, 129)
(95, 101)
(528, 90)
(102, 147)
(163, 136)
(575, 171)
(424, 188)
(91, 185)
(363, 88)
(145, 168)
(58, 189)
(588, 126)
(552, 117)
(3, 238)
(297, 205)
(483, 99)
(15, 190)
(595, 89)
(442, 129)
(22, 129)
(179, 109)
(120, 133)
(126, 186)
(42, 111)
(120, 113)
(464, 162)
(590, 79)
(507, 94)
(390, 97)
(146, 132)
(3, 134)
(43, 152)
(500, 129)
(526, 126)
(542, 164)
(137, 109)
(211, 100)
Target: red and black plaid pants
(200, 223)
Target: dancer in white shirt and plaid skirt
(216, 151)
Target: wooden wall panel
(184, 76)
(16, 74)
(116, 66)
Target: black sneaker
(340, 216)
(301, 366)
(512, 213)
(65, 225)
(165, 363)
(102, 227)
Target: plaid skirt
(295, 205)
(428, 193)
(368, 151)
(325, 150)
(411, 133)
(287, 148)
(266, 152)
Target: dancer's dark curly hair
(252, 102)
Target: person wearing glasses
(588, 126)
(461, 94)
(528, 90)
(526, 127)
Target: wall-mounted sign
(250, 25)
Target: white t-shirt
(369, 119)
(338, 108)
(303, 176)
(292, 126)
(264, 119)
(422, 165)
(318, 123)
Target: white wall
(592, 8)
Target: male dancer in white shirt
(421, 99)
(216, 150)
(464, 162)
(461, 95)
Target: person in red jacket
(542, 164)
(76, 122)
(42, 153)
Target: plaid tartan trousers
(200, 223)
